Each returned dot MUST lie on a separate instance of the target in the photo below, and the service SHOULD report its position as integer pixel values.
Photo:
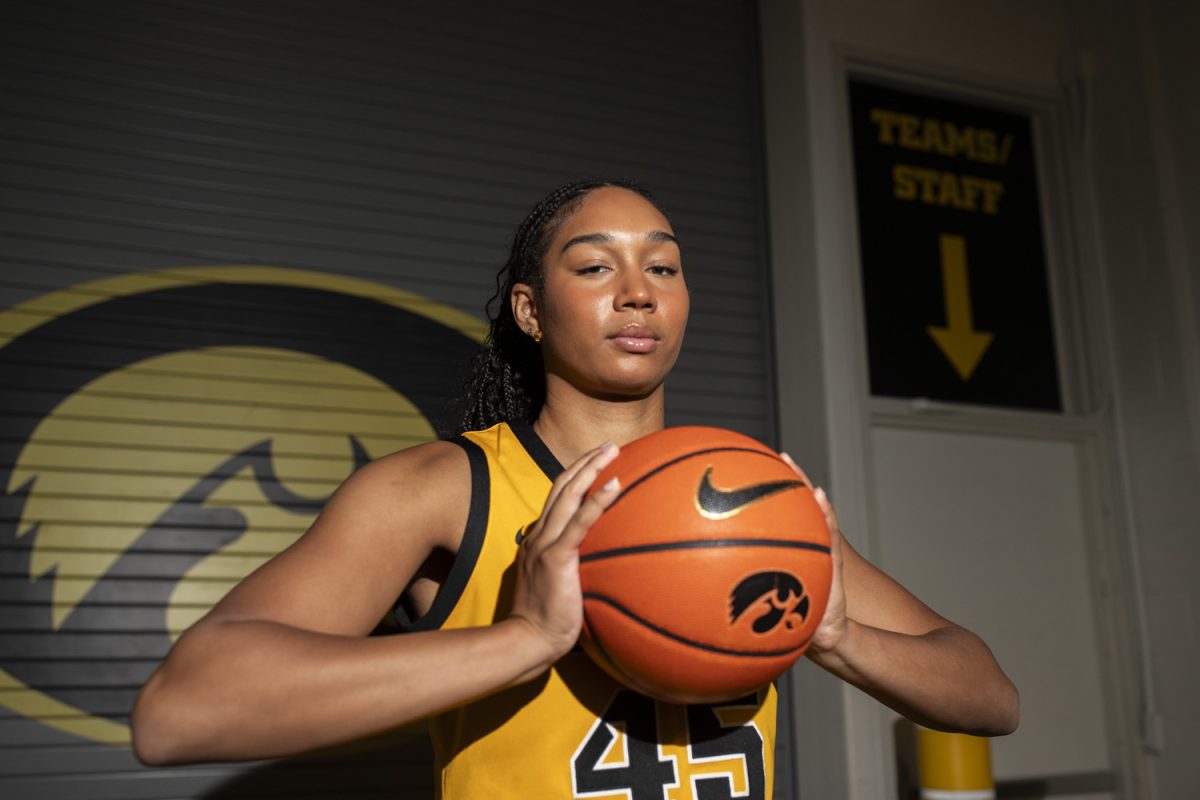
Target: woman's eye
(591, 269)
(663, 269)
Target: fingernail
(612, 485)
(819, 492)
(607, 446)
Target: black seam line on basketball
(712, 648)
(685, 457)
(650, 548)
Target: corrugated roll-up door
(245, 248)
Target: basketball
(708, 575)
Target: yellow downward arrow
(961, 344)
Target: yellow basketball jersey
(574, 731)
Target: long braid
(508, 382)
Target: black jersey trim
(468, 551)
(537, 449)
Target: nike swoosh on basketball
(717, 503)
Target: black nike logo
(717, 503)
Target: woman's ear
(524, 309)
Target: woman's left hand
(832, 629)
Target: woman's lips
(636, 344)
(636, 339)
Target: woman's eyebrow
(587, 238)
(602, 238)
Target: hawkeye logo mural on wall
(163, 434)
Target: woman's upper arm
(346, 571)
(873, 598)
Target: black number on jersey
(712, 740)
(641, 772)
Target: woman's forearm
(946, 678)
(247, 690)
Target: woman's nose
(635, 291)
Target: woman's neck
(572, 423)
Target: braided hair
(508, 382)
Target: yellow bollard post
(954, 766)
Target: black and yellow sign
(953, 263)
(163, 434)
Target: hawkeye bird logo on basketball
(771, 598)
(162, 434)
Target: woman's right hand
(548, 598)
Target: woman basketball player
(481, 536)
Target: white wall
(1144, 173)
(1121, 76)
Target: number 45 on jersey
(622, 757)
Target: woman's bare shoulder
(365, 546)
(421, 490)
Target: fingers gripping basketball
(547, 592)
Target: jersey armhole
(468, 551)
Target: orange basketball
(708, 575)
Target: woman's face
(614, 304)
